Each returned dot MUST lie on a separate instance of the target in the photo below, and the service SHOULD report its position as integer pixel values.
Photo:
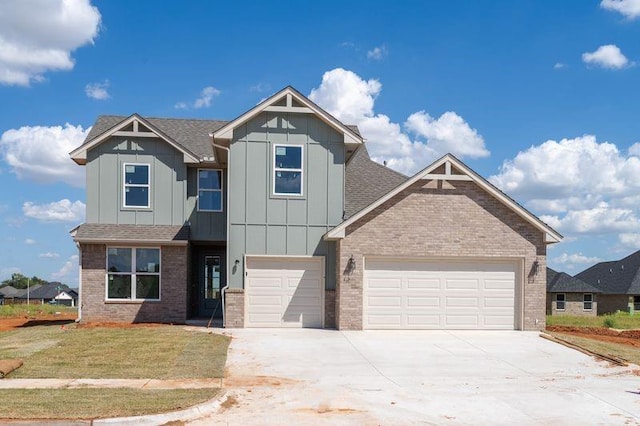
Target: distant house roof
(10, 291)
(366, 181)
(560, 282)
(47, 291)
(151, 234)
(615, 277)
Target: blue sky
(539, 97)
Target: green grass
(163, 352)
(11, 311)
(93, 403)
(626, 352)
(620, 320)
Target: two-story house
(278, 218)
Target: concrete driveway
(421, 377)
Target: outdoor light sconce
(351, 264)
(535, 266)
(235, 266)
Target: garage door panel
(423, 294)
(284, 292)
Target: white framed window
(560, 301)
(209, 190)
(587, 301)
(288, 169)
(136, 185)
(133, 273)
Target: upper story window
(133, 273)
(587, 301)
(287, 170)
(209, 190)
(560, 301)
(136, 185)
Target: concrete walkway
(109, 383)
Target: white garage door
(402, 294)
(284, 292)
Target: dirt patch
(30, 321)
(326, 409)
(625, 337)
(118, 325)
(254, 381)
(229, 402)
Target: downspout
(223, 291)
(79, 282)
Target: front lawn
(21, 310)
(146, 352)
(620, 320)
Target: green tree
(18, 280)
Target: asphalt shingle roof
(366, 181)
(113, 232)
(615, 277)
(560, 282)
(191, 134)
(48, 291)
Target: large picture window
(209, 190)
(287, 170)
(135, 191)
(133, 273)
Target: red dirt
(12, 323)
(625, 337)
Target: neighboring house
(567, 295)
(53, 292)
(618, 281)
(280, 218)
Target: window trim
(585, 301)
(133, 274)
(135, 185)
(221, 190)
(563, 301)
(280, 169)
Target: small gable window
(136, 186)
(560, 301)
(587, 301)
(209, 190)
(287, 170)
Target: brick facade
(573, 305)
(330, 309)
(610, 303)
(441, 220)
(173, 289)
(234, 308)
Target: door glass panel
(212, 277)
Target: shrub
(609, 321)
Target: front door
(210, 300)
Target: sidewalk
(110, 383)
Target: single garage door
(284, 292)
(421, 294)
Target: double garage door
(420, 294)
(284, 292)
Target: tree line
(20, 281)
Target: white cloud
(37, 36)
(98, 91)
(206, 96)
(607, 56)
(49, 255)
(602, 219)
(351, 99)
(66, 269)
(629, 8)
(58, 211)
(5, 273)
(630, 240)
(575, 258)
(29, 241)
(41, 153)
(260, 88)
(634, 149)
(558, 66)
(378, 53)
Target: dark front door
(210, 278)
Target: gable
(442, 173)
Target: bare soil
(624, 337)
(30, 321)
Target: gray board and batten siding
(262, 223)
(172, 193)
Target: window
(287, 170)
(133, 273)
(136, 185)
(587, 301)
(209, 190)
(560, 301)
